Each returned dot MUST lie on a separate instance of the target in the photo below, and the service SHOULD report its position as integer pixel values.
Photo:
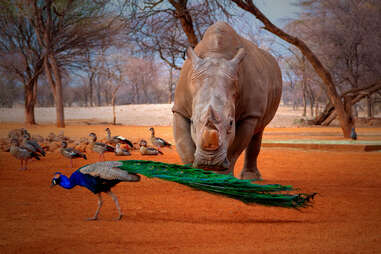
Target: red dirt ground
(165, 217)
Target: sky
(278, 11)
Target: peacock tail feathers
(227, 185)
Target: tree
(168, 28)
(20, 54)
(345, 117)
(65, 31)
(345, 35)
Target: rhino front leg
(184, 143)
(244, 133)
(250, 169)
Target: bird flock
(24, 147)
(98, 177)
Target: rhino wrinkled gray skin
(228, 91)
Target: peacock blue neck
(66, 182)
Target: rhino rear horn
(195, 59)
(236, 60)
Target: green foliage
(227, 185)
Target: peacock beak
(54, 183)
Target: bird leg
(71, 163)
(26, 164)
(116, 204)
(22, 165)
(100, 202)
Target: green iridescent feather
(227, 185)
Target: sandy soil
(165, 217)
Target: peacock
(101, 176)
(156, 141)
(97, 177)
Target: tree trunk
(98, 94)
(344, 117)
(170, 86)
(304, 101)
(113, 101)
(311, 107)
(317, 108)
(304, 85)
(113, 110)
(30, 91)
(348, 103)
(312, 101)
(58, 98)
(186, 21)
(329, 119)
(91, 90)
(369, 107)
(107, 96)
(136, 91)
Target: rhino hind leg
(250, 168)
(184, 143)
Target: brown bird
(22, 153)
(119, 151)
(32, 145)
(117, 139)
(17, 134)
(99, 147)
(144, 150)
(71, 153)
(156, 141)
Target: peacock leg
(116, 204)
(71, 163)
(22, 165)
(100, 202)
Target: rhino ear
(238, 58)
(195, 59)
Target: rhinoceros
(227, 92)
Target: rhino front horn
(209, 139)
